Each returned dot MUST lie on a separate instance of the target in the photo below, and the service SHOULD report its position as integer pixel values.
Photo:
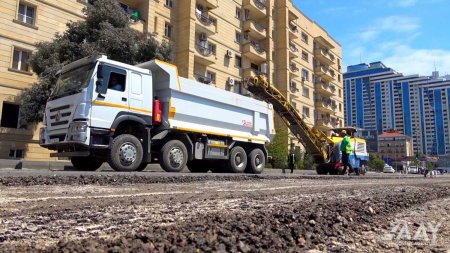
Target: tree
(105, 30)
(376, 163)
(278, 149)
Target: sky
(410, 36)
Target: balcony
(293, 51)
(324, 56)
(324, 105)
(209, 4)
(254, 52)
(255, 30)
(137, 12)
(325, 89)
(204, 23)
(326, 123)
(138, 26)
(258, 9)
(204, 55)
(325, 73)
(251, 72)
(323, 42)
(293, 31)
(202, 78)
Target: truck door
(105, 107)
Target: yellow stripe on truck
(96, 102)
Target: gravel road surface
(47, 211)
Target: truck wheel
(142, 167)
(86, 163)
(126, 153)
(238, 160)
(173, 156)
(256, 161)
(322, 169)
(198, 166)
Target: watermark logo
(404, 232)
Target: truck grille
(60, 116)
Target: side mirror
(98, 85)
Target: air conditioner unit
(203, 37)
(231, 81)
(229, 54)
(303, 78)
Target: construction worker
(346, 150)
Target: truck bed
(196, 107)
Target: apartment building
(378, 99)
(216, 42)
(22, 24)
(394, 146)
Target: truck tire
(322, 169)
(86, 163)
(125, 153)
(198, 166)
(238, 160)
(173, 156)
(256, 161)
(142, 167)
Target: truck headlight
(78, 127)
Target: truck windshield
(72, 81)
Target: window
(305, 111)
(305, 75)
(238, 61)
(305, 56)
(26, 14)
(340, 107)
(117, 82)
(238, 13)
(305, 92)
(304, 37)
(238, 38)
(169, 3)
(16, 153)
(211, 76)
(10, 115)
(339, 92)
(168, 30)
(20, 60)
(212, 48)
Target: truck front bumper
(77, 138)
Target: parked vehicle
(129, 116)
(413, 169)
(388, 169)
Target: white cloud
(390, 25)
(408, 60)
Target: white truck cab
(106, 111)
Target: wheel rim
(239, 160)
(127, 153)
(176, 157)
(258, 161)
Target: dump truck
(129, 116)
(325, 149)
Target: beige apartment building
(216, 42)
